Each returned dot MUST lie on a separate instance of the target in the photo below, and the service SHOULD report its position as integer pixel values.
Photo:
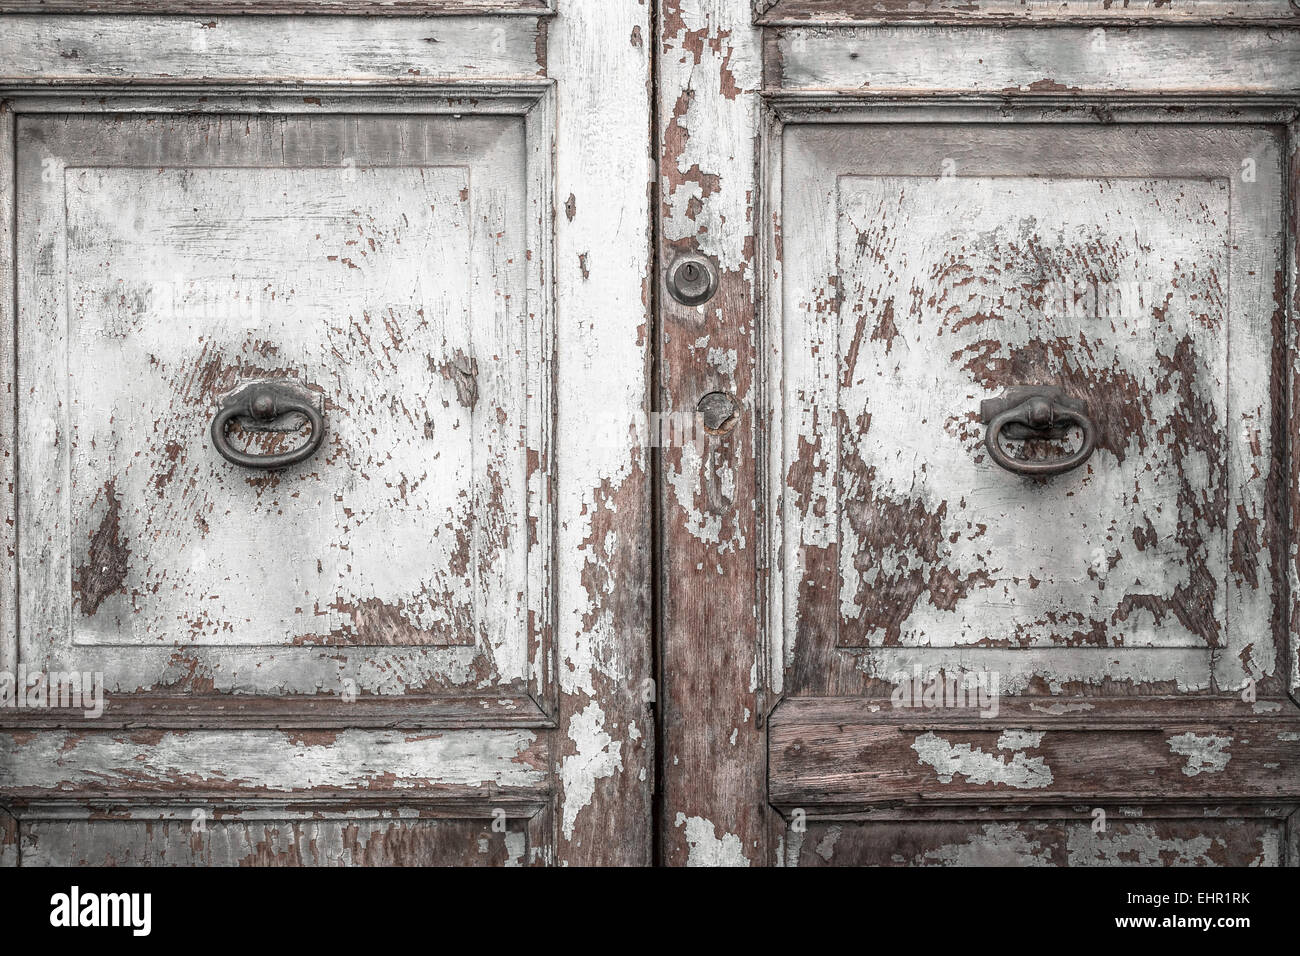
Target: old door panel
(836, 752)
(358, 839)
(378, 262)
(1130, 838)
(930, 268)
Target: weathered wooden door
(915, 209)
(656, 391)
(412, 251)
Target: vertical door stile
(599, 58)
(8, 389)
(713, 763)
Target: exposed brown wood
(155, 766)
(1291, 847)
(1289, 312)
(1022, 759)
(604, 752)
(713, 810)
(8, 839)
(345, 829)
(1148, 840)
(891, 192)
(1125, 712)
(318, 713)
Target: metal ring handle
(265, 402)
(1039, 414)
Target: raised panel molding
(525, 697)
(801, 110)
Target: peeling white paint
(1137, 844)
(708, 849)
(516, 847)
(1020, 739)
(1205, 753)
(978, 767)
(598, 756)
(997, 844)
(826, 846)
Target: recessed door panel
(379, 265)
(929, 270)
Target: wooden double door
(608, 432)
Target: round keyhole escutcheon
(692, 280)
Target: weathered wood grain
(318, 712)
(604, 756)
(713, 673)
(1018, 12)
(375, 287)
(348, 829)
(351, 842)
(855, 442)
(845, 332)
(8, 839)
(519, 679)
(289, 49)
(1058, 60)
(1288, 311)
(1019, 759)
(261, 763)
(1125, 842)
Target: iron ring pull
(264, 402)
(1037, 412)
